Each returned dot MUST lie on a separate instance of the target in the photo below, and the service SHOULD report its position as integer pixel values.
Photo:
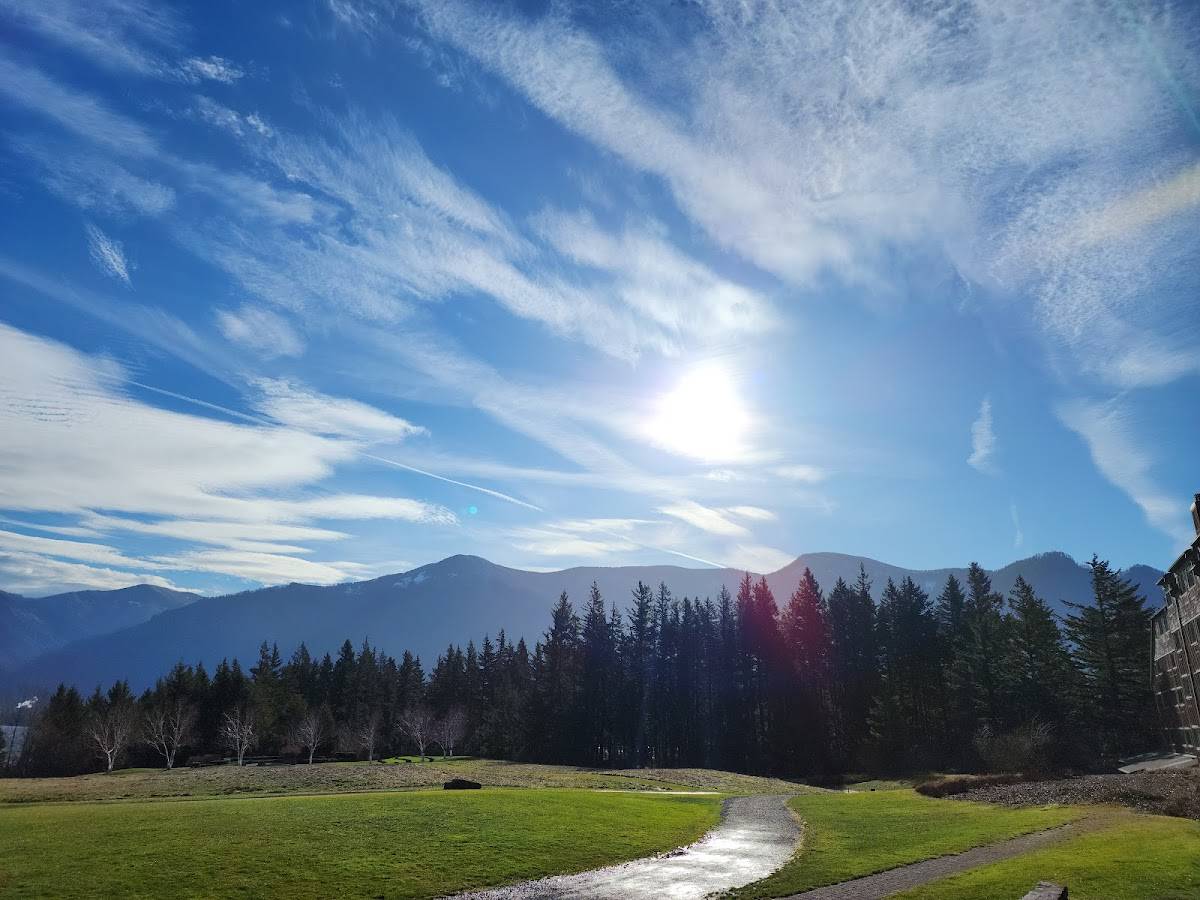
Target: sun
(703, 416)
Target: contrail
(507, 498)
(391, 462)
(625, 537)
(198, 402)
(473, 487)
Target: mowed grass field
(331, 778)
(1134, 857)
(848, 835)
(395, 844)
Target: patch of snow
(411, 579)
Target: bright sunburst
(702, 416)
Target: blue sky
(324, 290)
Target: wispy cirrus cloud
(1109, 432)
(129, 36)
(234, 122)
(93, 182)
(299, 407)
(107, 254)
(74, 111)
(913, 128)
(758, 558)
(210, 68)
(115, 138)
(63, 455)
(705, 518)
(260, 329)
(36, 574)
(125, 35)
(983, 440)
(413, 234)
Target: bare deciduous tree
(238, 730)
(450, 729)
(110, 723)
(167, 727)
(368, 733)
(309, 731)
(417, 723)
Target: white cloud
(94, 182)
(554, 542)
(212, 68)
(678, 294)
(296, 406)
(410, 233)
(80, 551)
(126, 35)
(75, 443)
(800, 472)
(263, 537)
(1108, 431)
(983, 439)
(107, 254)
(598, 538)
(113, 133)
(80, 113)
(265, 568)
(31, 574)
(221, 116)
(1018, 534)
(759, 559)
(755, 513)
(260, 329)
(968, 131)
(704, 518)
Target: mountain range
(95, 637)
(30, 627)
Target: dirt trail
(756, 836)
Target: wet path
(756, 836)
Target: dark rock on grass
(1162, 793)
(461, 784)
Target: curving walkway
(756, 836)
(902, 878)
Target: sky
(318, 291)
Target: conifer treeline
(832, 681)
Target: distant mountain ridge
(31, 626)
(458, 599)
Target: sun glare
(703, 416)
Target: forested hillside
(811, 683)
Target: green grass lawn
(404, 844)
(849, 835)
(340, 778)
(1137, 857)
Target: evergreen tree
(640, 640)
(1111, 641)
(1039, 664)
(855, 662)
(904, 714)
(599, 678)
(556, 665)
(976, 676)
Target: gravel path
(757, 835)
(893, 881)
(1172, 793)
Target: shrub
(960, 784)
(1026, 748)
